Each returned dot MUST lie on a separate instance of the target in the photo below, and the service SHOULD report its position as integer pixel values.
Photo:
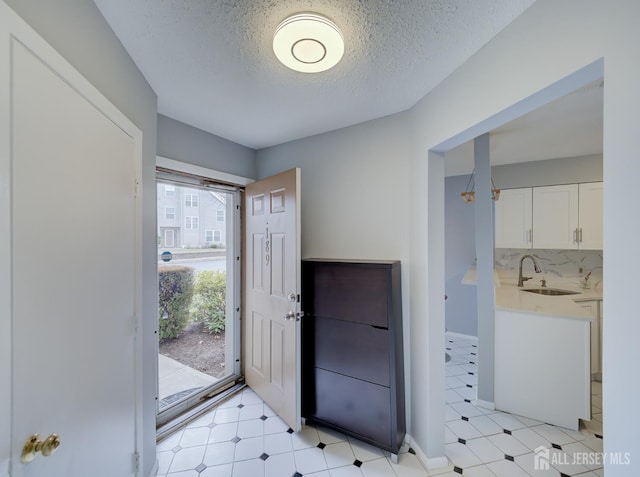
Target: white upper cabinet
(555, 216)
(513, 219)
(590, 216)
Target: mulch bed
(197, 349)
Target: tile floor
(242, 437)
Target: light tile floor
(242, 437)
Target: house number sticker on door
(267, 246)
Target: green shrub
(210, 300)
(176, 291)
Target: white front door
(169, 238)
(272, 293)
(69, 164)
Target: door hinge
(136, 188)
(136, 462)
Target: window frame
(190, 221)
(191, 200)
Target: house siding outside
(191, 218)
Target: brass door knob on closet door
(35, 445)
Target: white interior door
(272, 293)
(72, 277)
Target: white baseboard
(431, 463)
(485, 404)
(436, 463)
(453, 334)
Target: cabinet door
(555, 217)
(354, 405)
(513, 219)
(590, 216)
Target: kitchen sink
(550, 291)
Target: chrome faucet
(536, 267)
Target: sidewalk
(175, 378)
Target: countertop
(510, 297)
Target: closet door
(70, 284)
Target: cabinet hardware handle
(530, 235)
(580, 234)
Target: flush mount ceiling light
(308, 43)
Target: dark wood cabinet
(352, 354)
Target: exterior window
(217, 236)
(191, 200)
(208, 235)
(220, 215)
(170, 213)
(169, 191)
(191, 223)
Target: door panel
(74, 275)
(555, 217)
(340, 403)
(272, 367)
(590, 210)
(513, 219)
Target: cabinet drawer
(362, 408)
(358, 294)
(353, 349)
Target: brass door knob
(35, 445)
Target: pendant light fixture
(469, 194)
(308, 42)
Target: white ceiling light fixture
(308, 42)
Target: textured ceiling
(211, 63)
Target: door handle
(293, 316)
(35, 445)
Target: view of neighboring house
(190, 218)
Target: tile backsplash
(558, 266)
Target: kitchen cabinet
(564, 217)
(590, 216)
(594, 308)
(352, 354)
(513, 221)
(542, 367)
(555, 216)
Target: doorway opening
(198, 240)
(460, 258)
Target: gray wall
(77, 30)
(355, 197)
(179, 141)
(567, 170)
(461, 314)
(460, 254)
